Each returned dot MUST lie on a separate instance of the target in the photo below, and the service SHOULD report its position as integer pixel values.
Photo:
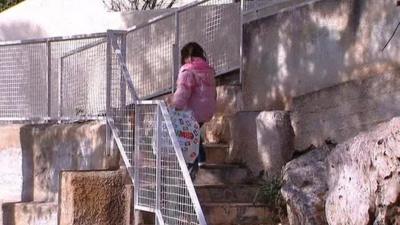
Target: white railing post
(158, 130)
(176, 52)
(60, 100)
(48, 44)
(241, 42)
(109, 138)
(123, 82)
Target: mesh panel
(145, 158)
(23, 80)
(150, 57)
(176, 204)
(152, 138)
(216, 27)
(58, 50)
(83, 81)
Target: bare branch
(125, 5)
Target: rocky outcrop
(356, 183)
(305, 187)
(364, 178)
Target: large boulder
(356, 183)
(305, 186)
(364, 178)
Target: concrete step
(236, 214)
(230, 214)
(30, 213)
(217, 153)
(228, 193)
(220, 174)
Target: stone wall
(316, 46)
(31, 157)
(342, 111)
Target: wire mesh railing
(162, 181)
(145, 137)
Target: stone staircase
(228, 192)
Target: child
(195, 91)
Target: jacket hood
(197, 64)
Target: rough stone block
(305, 183)
(58, 147)
(355, 183)
(94, 197)
(31, 157)
(342, 111)
(30, 213)
(262, 140)
(364, 178)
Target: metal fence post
(123, 82)
(60, 103)
(241, 43)
(48, 43)
(108, 91)
(158, 128)
(176, 52)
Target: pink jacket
(196, 89)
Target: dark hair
(192, 49)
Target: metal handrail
(53, 39)
(182, 164)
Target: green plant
(270, 194)
(270, 191)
